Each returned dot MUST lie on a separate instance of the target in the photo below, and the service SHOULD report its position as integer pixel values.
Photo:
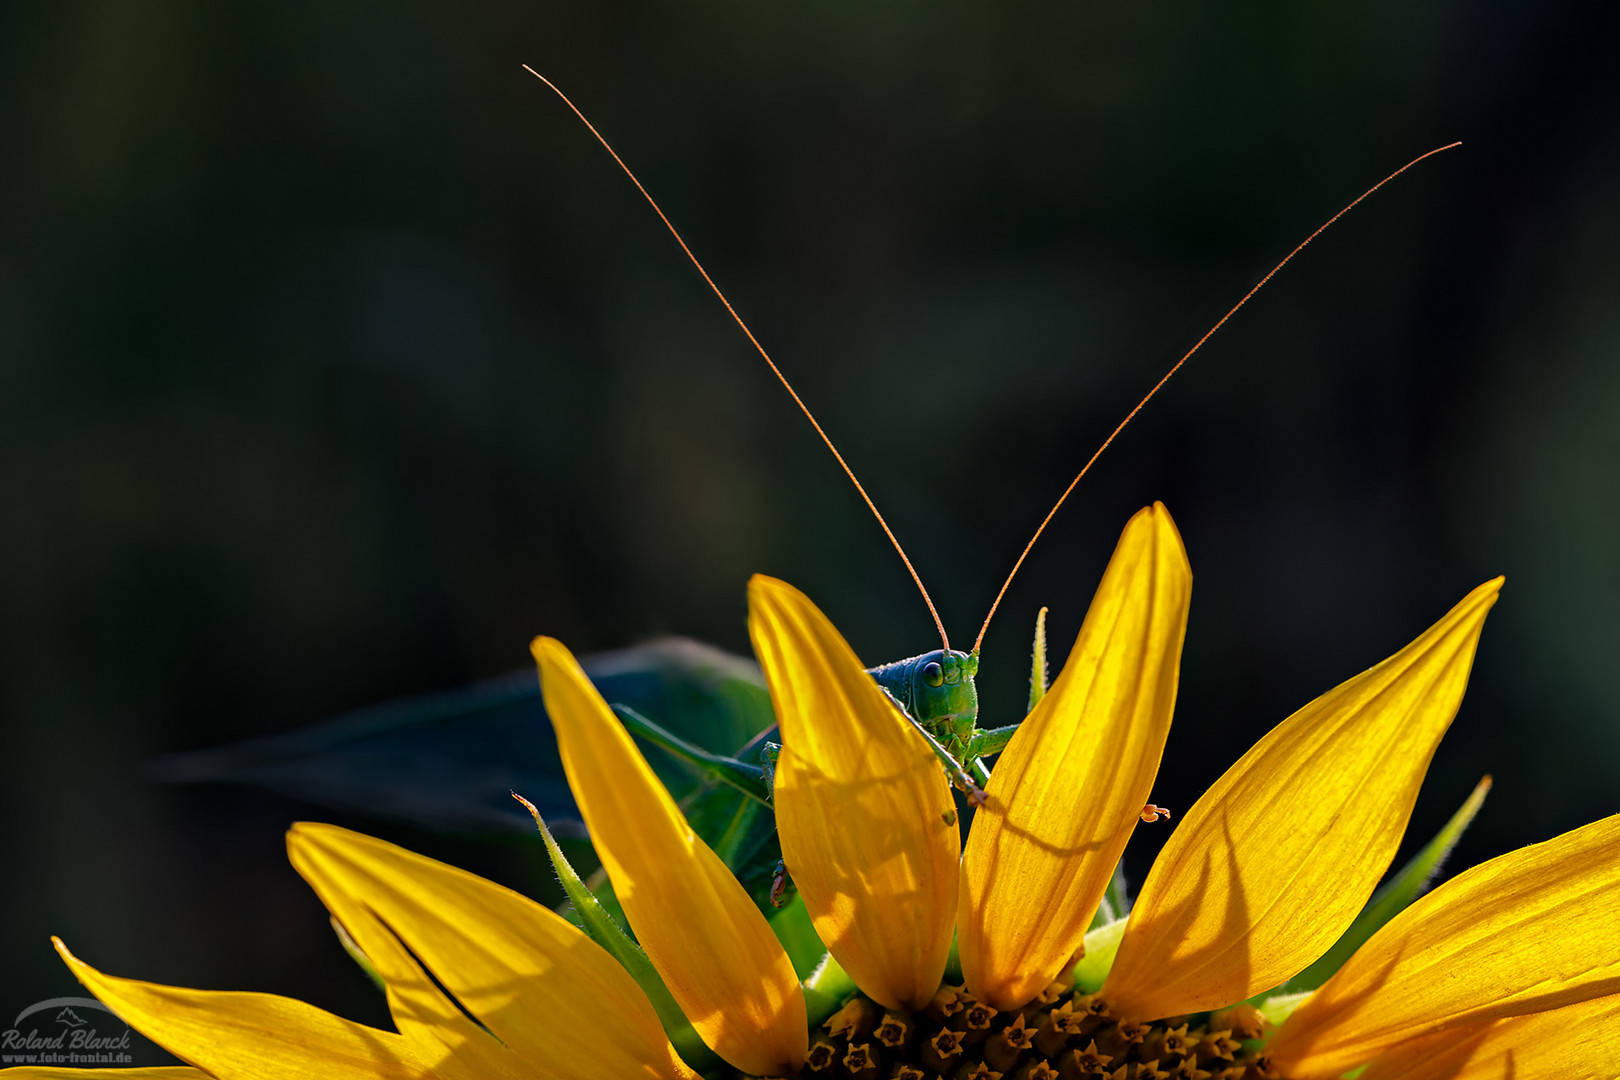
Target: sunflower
(1511, 969)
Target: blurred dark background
(336, 361)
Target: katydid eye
(933, 674)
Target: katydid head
(942, 686)
(935, 689)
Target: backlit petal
(545, 991)
(1530, 930)
(156, 1072)
(242, 1036)
(700, 929)
(1278, 857)
(867, 823)
(1577, 1042)
(1070, 787)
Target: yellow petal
(1071, 785)
(713, 948)
(242, 1036)
(551, 996)
(865, 814)
(155, 1072)
(1530, 930)
(1278, 857)
(1577, 1042)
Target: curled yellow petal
(713, 948)
(867, 823)
(1576, 1042)
(1070, 787)
(1530, 930)
(1273, 863)
(552, 998)
(243, 1036)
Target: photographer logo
(66, 1031)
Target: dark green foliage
(449, 761)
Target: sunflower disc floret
(1060, 1035)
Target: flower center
(1061, 1035)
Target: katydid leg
(990, 741)
(953, 768)
(746, 778)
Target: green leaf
(603, 930)
(446, 760)
(1407, 885)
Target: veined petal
(550, 995)
(1275, 861)
(1577, 1042)
(1530, 930)
(156, 1072)
(243, 1036)
(704, 935)
(1070, 787)
(867, 823)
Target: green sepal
(1279, 1007)
(1116, 901)
(826, 990)
(1102, 945)
(352, 947)
(953, 960)
(1037, 664)
(602, 929)
(1406, 886)
(793, 929)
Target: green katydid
(935, 690)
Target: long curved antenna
(1160, 384)
(808, 415)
